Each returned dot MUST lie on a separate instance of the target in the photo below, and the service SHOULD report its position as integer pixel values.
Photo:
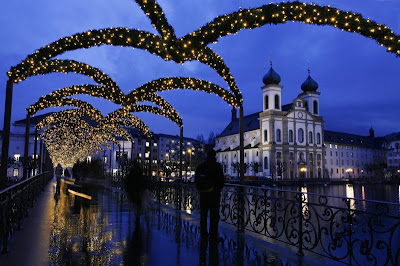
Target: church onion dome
(271, 77)
(309, 84)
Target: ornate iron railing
(352, 231)
(15, 202)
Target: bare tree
(211, 137)
(280, 167)
(200, 138)
(255, 166)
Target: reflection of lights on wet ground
(363, 196)
(189, 206)
(79, 194)
(399, 193)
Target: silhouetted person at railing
(209, 180)
(135, 186)
(58, 171)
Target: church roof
(250, 122)
(287, 107)
(309, 84)
(352, 139)
(271, 77)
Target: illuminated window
(17, 157)
(147, 144)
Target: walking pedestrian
(58, 171)
(209, 180)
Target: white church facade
(288, 141)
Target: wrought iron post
(6, 133)
(300, 216)
(241, 217)
(150, 162)
(180, 152)
(241, 145)
(40, 156)
(35, 159)
(350, 221)
(26, 149)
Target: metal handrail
(326, 225)
(15, 202)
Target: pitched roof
(352, 139)
(250, 122)
(34, 120)
(175, 137)
(287, 107)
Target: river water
(380, 192)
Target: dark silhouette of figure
(135, 186)
(209, 180)
(58, 171)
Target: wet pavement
(67, 229)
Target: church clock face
(300, 115)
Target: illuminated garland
(172, 83)
(63, 102)
(125, 112)
(192, 46)
(293, 11)
(66, 114)
(158, 20)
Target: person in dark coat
(209, 180)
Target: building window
(266, 102)
(315, 107)
(290, 135)
(265, 162)
(265, 135)
(301, 135)
(318, 138)
(277, 102)
(310, 138)
(278, 135)
(15, 172)
(17, 157)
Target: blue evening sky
(358, 80)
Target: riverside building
(290, 142)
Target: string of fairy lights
(192, 46)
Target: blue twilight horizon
(358, 79)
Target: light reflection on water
(90, 231)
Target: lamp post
(303, 171)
